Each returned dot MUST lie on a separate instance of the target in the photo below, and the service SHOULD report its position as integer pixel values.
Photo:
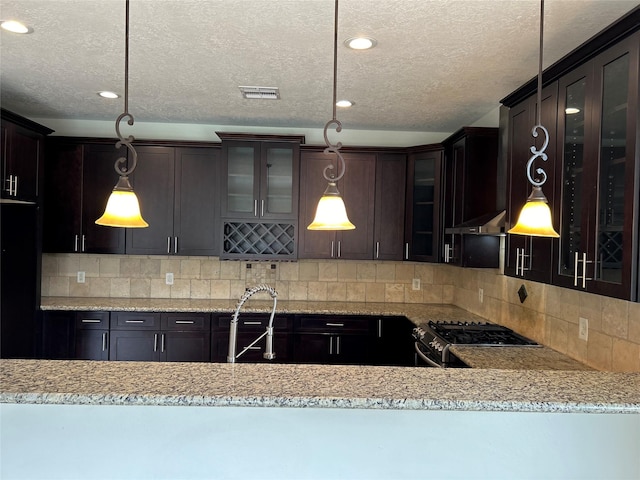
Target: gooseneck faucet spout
(269, 354)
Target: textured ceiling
(438, 65)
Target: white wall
(141, 442)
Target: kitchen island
(135, 420)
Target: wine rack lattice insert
(259, 238)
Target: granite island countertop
(536, 358)
(72, 382)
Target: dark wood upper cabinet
(357, 188)
(422, 216)
(391, 175)
(530, 257)
(80, 178)
(597, 169)
(178, 194)
(21, 157)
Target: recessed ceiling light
(107, 94)
(15, 26)
(571, 110)
(360, 43)
(344, 103)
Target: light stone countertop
(325, 386)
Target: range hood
(489, 224)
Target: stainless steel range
(434, 341)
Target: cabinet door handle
(262, 208)
(337, 345)
(155, 342)
(329, 324)
(175, 244)
(169, 245)
(446, 253)
(255, 208)
(575, 270)
(10, 182)
(332, 242)
(517, 259)
(377, 249)
(251, 323)
(83, 239)
(379, 328)
(253, 348)
(104, 341)
(406, 251)
(162, 343)
(184, 322)
(339, 248)
(15, 185)
(330, 345)
(90, 320)
(75, 244)
(134, 321)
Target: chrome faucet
(268, 354)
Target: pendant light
(535, 216)
(331, 213)
(123, 209)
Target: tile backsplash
(549, 315)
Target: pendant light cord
(538, 115)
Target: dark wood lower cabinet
(202, 337)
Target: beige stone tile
(425, 272)
(79, 289)
(90, 265)
(591, 308)
(347, 271)
(181, 288)
(190, 268)
(626, 356)
(375, 292)
(405, 272)
(120, 288)
(327, 271)
(385, 272)
(210, 269)
(230, 270)
(68, 265)
(615, 317)
(469, 278)
(317, 291)
(159, 289)
(110, 266)
(288, 271)
(130, 267)
(444, 274)
(634, 322)
(298, 291)
(394, 292)
(556, 335)
(99, 287)
(308, 271)
(599, 350)
(44, 286)
(336, 291)
(59, 287)
(436, 293)
(49, 264)
(415, 296)
(576, 347)
(237, 289)
(150, 267)
(200, 288)
(170, 265)
(140, 287)
(447, 294)
(356, 291)
(220, 289)
(366, 272)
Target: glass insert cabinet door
(598, 242)
(241, 170)
(277, 192)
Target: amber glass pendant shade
(331, 213)
(123, 209)
(535, 217)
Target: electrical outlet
(168, 279)
(415, 285)
(481, 295)
(583, 328)
(80, 277)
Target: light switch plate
(583, 328)
(481, 295)
(80, 277)
(169, 278)
(415, 285)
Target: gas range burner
(477, 333)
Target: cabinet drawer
(135, 321)
(249, 322)
(186, 321)
(92, 320)
(334, 324)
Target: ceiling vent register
(267, 93)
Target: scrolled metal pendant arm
(538, 154)
(333, 148)
(133, 161)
